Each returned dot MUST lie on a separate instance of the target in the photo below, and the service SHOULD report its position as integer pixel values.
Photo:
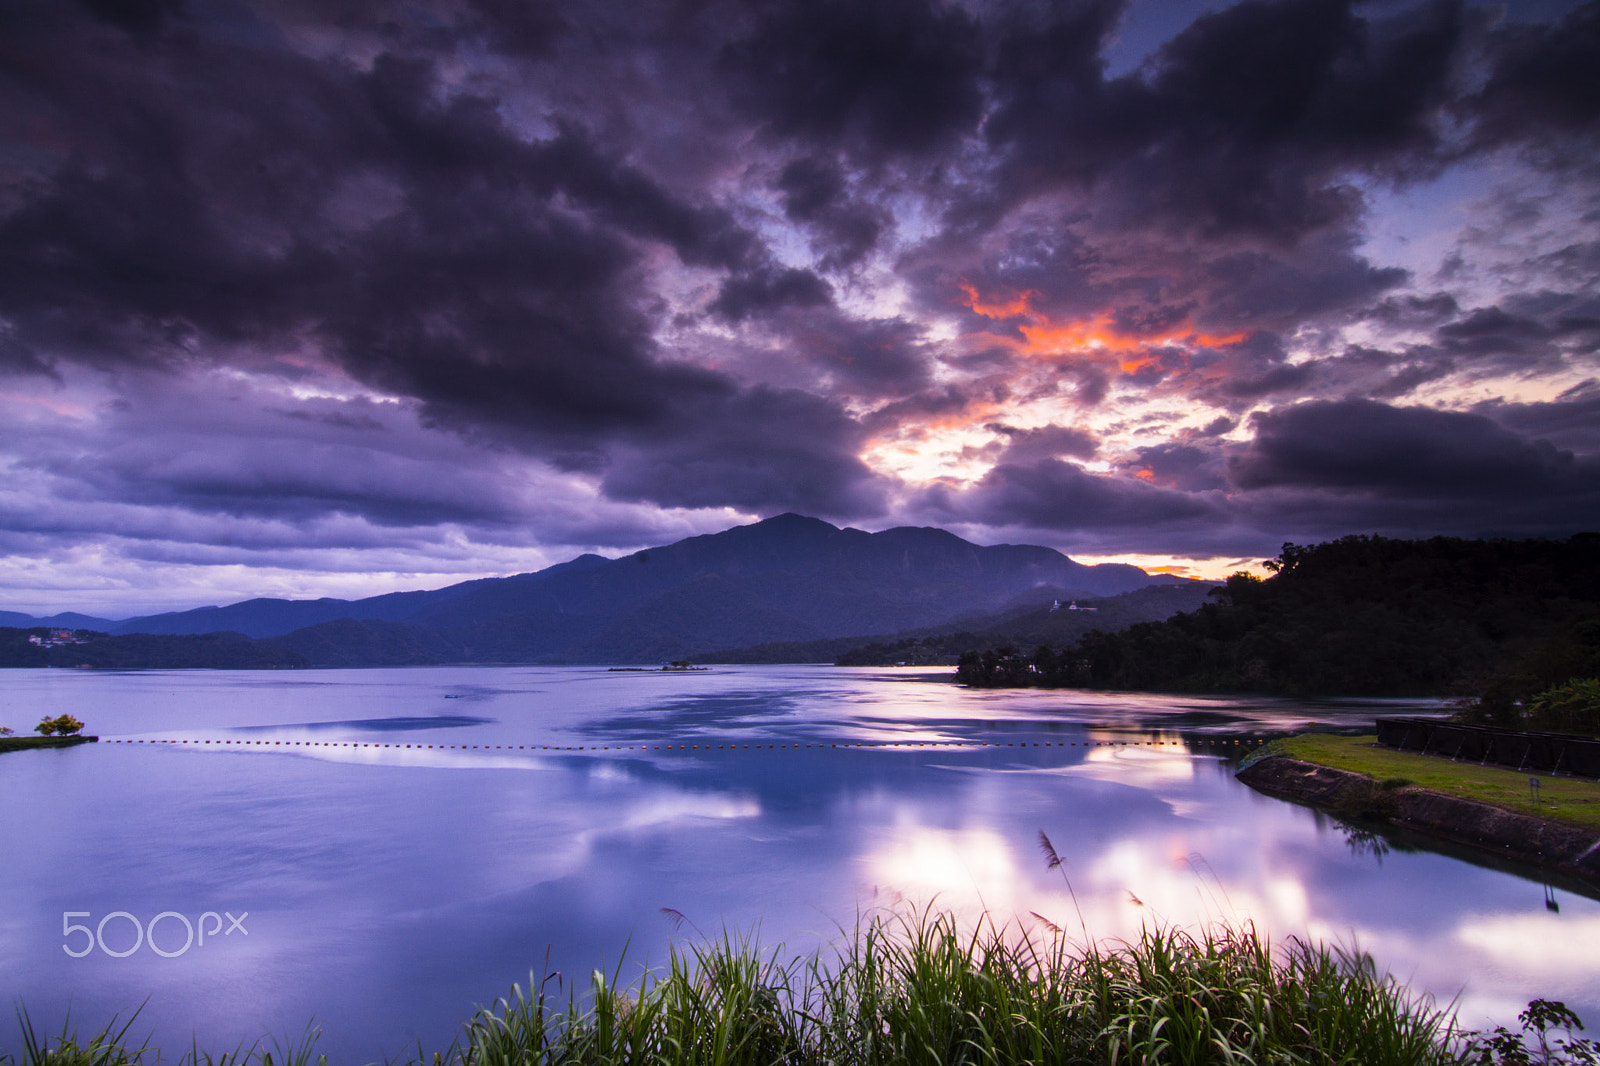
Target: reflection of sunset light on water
(1130, 886)
(1144, 767)
(1134, 885)
(1555, 953)
(965, 870)
(1520, 941)
(1197, 873)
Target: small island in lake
(63, 731)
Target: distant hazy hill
(65, 620)
(789, 578)
(271, 618)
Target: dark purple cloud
(879, 79)
(1311, 470)
(1045, 442)
(1570, 421)
(673, 264)
(843, 230)
(1355, 464)
(1359, 445)
(1247, 121)
(1050, 494)
(1192, 467)
(1543, 82)
(766, 289)
(761, 451)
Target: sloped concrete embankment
(1508, 834)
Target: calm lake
(383, 890)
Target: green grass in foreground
(912, 989)
(1563, 799)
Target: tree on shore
(62, 726)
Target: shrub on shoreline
(62, 726)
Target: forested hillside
(82, 647)
(1493, 619)
(1029, 624)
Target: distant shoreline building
(55, 639)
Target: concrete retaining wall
(1520, 837)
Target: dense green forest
(83, 647)
(1497, 621)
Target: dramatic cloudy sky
(330, 297)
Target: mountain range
(786, 579)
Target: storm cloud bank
(302, 297)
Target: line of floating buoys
(1210, 742)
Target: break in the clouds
(310, 299)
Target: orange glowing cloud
(1018, 305)
(911, 445)
(1047, 338)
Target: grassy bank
(24, 743)
(1565, 799)
(912, 988)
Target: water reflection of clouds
(697, 715)
(1202, 861)
(392, 754)
(1536, 944)
(1189, 713)
(1113, 895)
(966, 870)
(1135, 884)
(1556, 954)
(462, 879)
(1481, 961)
(670, 807)
(1158, 768)
(397, 724)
